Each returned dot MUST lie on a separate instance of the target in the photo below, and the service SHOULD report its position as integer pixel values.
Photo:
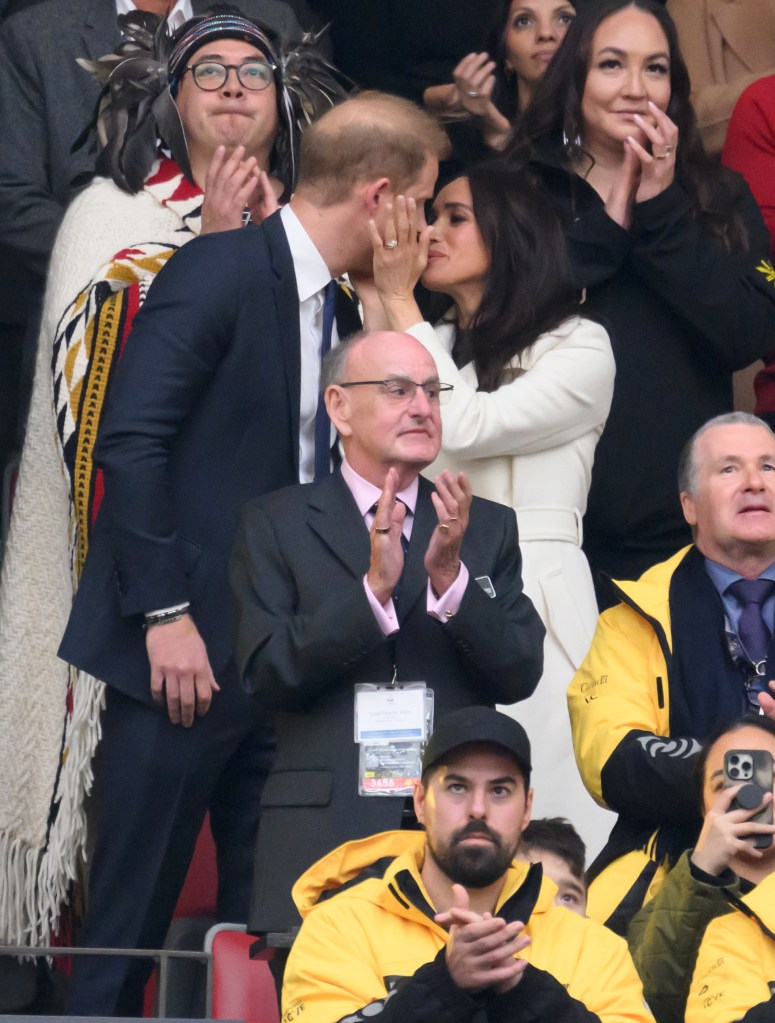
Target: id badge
(392, 725)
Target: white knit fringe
(67, 837)
(34, 886)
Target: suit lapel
(743, 33)
(415, 579)
(100, 29)
(286, 300)
(334, 517)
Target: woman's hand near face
(474, 81)
(658, 166)
(721, 838)
(397, 268)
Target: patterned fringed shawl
(49, 714)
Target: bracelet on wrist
(166, 617)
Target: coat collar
(391, 861)
(759, 905)
(650, 594)
(739, 32)
(286, 301)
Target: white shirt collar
(180, 12)
(312, 274)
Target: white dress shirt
(181, 11)
(312, 276)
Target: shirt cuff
(385, 614)
(168, 610)
(448, 604)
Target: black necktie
(752, 630)
(322, 422)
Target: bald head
(382, 396)
(370, 136)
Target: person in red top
(750, 150)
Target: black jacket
(683, 315)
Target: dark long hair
(529, 288)
(505, 94)
(554, 115)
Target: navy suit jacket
(306, 635)
(203, 414)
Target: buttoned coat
(306, 634)
(727, 45)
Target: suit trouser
(155, 781)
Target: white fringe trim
(34, 883)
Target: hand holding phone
(752, 769)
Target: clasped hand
(452, 502)
(643, 174)
(482, 948)
(233, 183)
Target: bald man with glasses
(367, 603)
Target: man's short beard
(473, 866)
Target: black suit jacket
(306, 634)
(203, 414)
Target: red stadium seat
(242, 988)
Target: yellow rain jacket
(734, 978)
(619, 703)
(369, 947)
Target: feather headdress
(136, 111)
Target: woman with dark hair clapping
(529, 402)
(672, 253)
(493, 88)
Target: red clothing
(750, 150)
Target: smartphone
(752, 767)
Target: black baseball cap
(478, 724)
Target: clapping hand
(482, 948)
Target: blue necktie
(752, 630)
(322, 422)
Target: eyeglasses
(401, 391)
(254, 75)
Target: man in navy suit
(372, 575)
(213, 403)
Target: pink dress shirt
(366, 495)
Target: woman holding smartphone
(708, 933)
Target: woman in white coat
(528, 408)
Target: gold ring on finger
(392, 243)
(443, 527)
(382, 530)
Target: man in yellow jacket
(420, 928)
(688, 648)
